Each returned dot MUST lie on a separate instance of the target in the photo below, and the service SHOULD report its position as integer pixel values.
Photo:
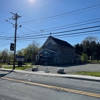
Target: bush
(84, 57)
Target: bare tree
(91, 38)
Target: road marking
(54, 87)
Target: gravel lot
(70, 68)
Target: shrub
(84, 57)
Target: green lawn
(18, 68)
(94, 61)
(3, 63)
(88, 73)
(28, 63)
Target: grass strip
(18, 67)
(88, 73)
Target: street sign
(12, 46)
(20, 58)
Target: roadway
(21, 86)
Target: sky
(69, 20)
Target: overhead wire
(78, 29)
(65, 31)
(27, 6)
(4, 41)
(75, 35)
(80, 32)
(4, 44)
(74, 30)
(19, 8)
(44, 6)
(64, 26)
(67, 34)
(5, 30)
(42, 37)
(67, 13)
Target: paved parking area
(70, 68)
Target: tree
(97, 52)
(11, 56)
(84, 57)
(89, 45)
(0, 56)
(31, 51)
(91, 38)
(78, 49)
(5, 55)
(95, 56)
(86, 45)
(19, 53)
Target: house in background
(56, 51)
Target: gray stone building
(56, 51)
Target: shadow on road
(2, 75)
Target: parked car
(61, 71)
(35, 69)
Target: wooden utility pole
(14, 17)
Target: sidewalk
(72, 76)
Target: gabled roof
(61, 42)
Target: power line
(63, 14)
(4, 27)
(5, 30)
(4, 17)
(80, 32)
(70, 26)
(96, 20)
(19, 8)
(78, 29)
(4, 44)
(44, 6)
(75, 35)
(27, 6)
(29, 29)
(64, 27)
(70, 34)
(56, 33)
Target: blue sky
(39, 18)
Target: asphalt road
(10, 90)
(70, 68)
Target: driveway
(70, 68)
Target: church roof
(61, 42)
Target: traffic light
(12, 46)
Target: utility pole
(15, 17)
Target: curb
(79, 77)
